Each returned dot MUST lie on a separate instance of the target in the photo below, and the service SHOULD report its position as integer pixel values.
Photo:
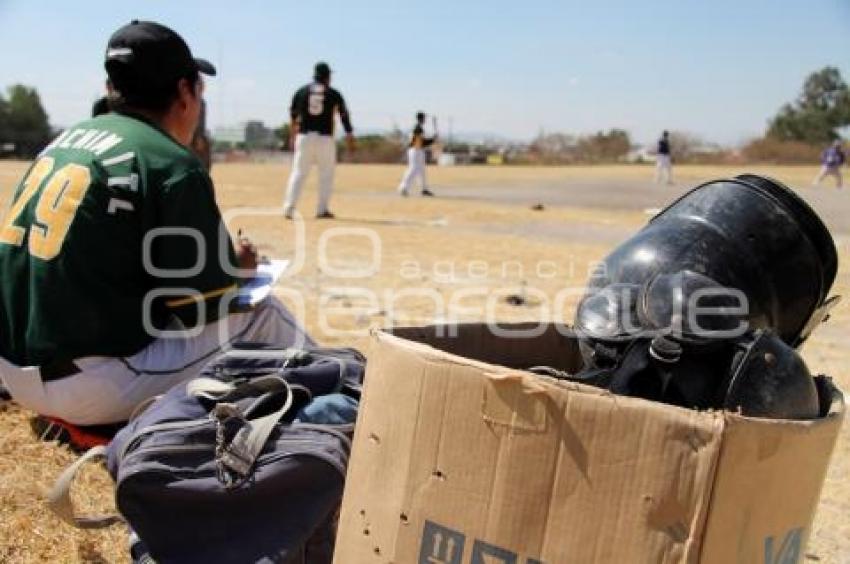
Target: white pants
(312, 149)
(108, 389)
(415, 169)
(663, 167)
(829, 171)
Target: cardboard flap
(515, 400)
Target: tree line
(797, 133)
(24, 125)
(801, 129)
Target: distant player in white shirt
(312, 116)
(416, 158)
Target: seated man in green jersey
(117, 271)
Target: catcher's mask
(756, 374)
(733, 264)
(748, 247)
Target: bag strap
(236, 458)
(221, 391)
(239, 455)
(59, 499)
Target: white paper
(257, 288)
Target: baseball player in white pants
(312, 149)
(417, 159)
(663, 160)
(312, 123)
(663, 169)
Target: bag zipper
(288, 441)
(170, 449)
(337, 430)
(170, 426)
(266, 458)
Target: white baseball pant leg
(415, 169)
(108, 389)
(305, 156)
(326, 159)
(663, 167)
(423, 168)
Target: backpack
(245, 463)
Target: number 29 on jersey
(59, 194)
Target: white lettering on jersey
(94, 140)
(85, 139)
(104, 145)
(316, 100)
(61, 137)
(124, 157)
(131, 182)
(99, 135)
(66, 143)
(116, 204)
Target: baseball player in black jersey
(416, 158)
(663, 160)
(312, 125)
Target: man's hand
(246, 254)
(349, 142)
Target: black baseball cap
(321, 70)
(152, 54)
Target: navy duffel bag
(244, 464)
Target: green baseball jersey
(112, 235)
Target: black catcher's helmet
(704, 306)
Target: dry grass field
(388, 260)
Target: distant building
(640, 154)
(250, 135)
(229, 135)
(258, 136)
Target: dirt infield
(391, 260)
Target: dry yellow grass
(464, 250)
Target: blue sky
(716, 68)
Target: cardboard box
(462, 458)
